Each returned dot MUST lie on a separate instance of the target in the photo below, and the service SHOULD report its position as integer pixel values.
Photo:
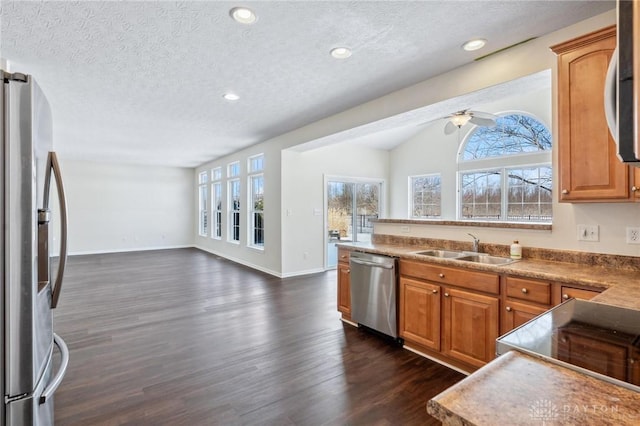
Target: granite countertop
(516, 388)
(622, 287)
(519, 389)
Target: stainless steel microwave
(623, 114)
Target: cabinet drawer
(578, 293)
(473, 280)
(530, 290)
(344, 255)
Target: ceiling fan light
(460, 119)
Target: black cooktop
(594, 338)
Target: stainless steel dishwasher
(373, 292)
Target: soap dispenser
(516, 250)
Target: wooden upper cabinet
(588, 166)
(635, 187)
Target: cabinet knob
(632, 361)
(508, 308)
(565, 296)
(525, 291)
(434, 291)
(348, 270)
(441, 275)
(564, 340)
(635, 188)
(446, 295)
(565, 191)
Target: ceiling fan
(460, 118)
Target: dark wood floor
(182, 337)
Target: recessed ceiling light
(231, 96)
(474, 44)
(341, 52)
(243, 15)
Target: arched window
(505, 171)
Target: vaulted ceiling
(142, 82)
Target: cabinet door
(420, 312)
(344, 290)
(589, 168)
(634, 367)
(567, 293)
(635, 187)
(470, 326)
(516, 313)
(595, 355)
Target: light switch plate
(588, 233)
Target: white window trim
(410, 204)
(504, 190)
(229, 166)
(201, 185)
(251, 211)
(501, 163)
(253, 157)
(214, 211)
(230, 211)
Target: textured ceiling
(142, 82)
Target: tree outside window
(517, 186)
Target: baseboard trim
(241, 262)
(439, 361)
(126, 250)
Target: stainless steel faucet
(476, 243)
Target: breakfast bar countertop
(520, 389)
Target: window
(505, 172)
(256, 163)
(234, 210)
(216, 199)
(257, 211)
(216, 174)
(256, 201)
(202, 202)
(233, 169)
(425, 196)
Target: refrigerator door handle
(64, 363)
(54, 166)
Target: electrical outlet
(588, 233)
(633, 235)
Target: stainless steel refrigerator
(31, 279)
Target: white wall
(303, 192)
(124, 207)
(286, 238)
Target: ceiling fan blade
(481, 114)
(450, 128)
(479, 121)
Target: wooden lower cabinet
(634, 367)
(567, 293)
(517, 313)
(344, 290)
(598, 350)
(470, 326)
(420, 312)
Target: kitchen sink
(486, 259)
(449, 254)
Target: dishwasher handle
(373, 264)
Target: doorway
(351, 204)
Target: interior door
(351, 204)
